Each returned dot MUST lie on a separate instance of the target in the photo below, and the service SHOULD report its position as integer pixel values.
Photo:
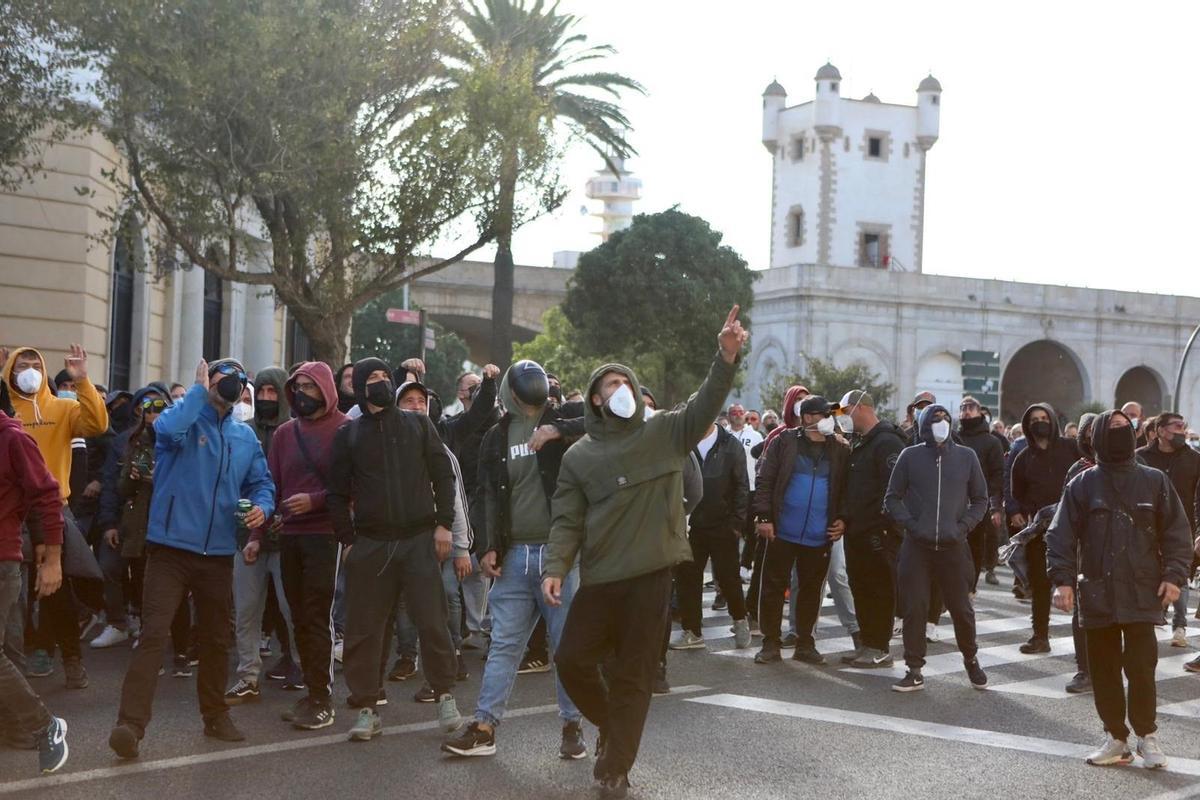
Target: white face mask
(1132, 420)
(941, 431)
(622, 403)
(796, 407)
(846, 423)
(29, 381)
(243, 412)
(826, 426)
(647, 412)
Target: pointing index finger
(733, 314)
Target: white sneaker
(741, 634)
(1111, 752)
(109, 637)
(898, 628)
(338, 649)
(746, 574)
(1152, 755)
(1179, 638)
(931, 633)
(686, 640)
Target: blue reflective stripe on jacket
(203, 466)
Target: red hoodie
(25, 485)
(292, 471)
(790, 418)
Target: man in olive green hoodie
(619, 508)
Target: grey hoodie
(937, 493)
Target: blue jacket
(202, 467)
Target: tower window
(874, 147)
(873, 245)
(833, 87)
(798, 148)
(795, 227)
(934, 99)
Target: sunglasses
(229, 369)
(157, 404)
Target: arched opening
(214, 314)
(120, 323)
(942, 375)
(1041, 372)
(1140, 385)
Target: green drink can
(243, 509)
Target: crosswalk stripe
(913, 727)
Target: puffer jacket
(872, 459)
(619, 506)
(778, 465)
(1123, 528)
(937, 493)
(725, 501)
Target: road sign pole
(421, 334)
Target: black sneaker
(279, 671)
(720, 603)
(532, 664)
(52, 746)
(808, 655)
(297, 709)
(769, 653)
(788, 641)
(222, 727)
(182, 668)
(976, 674)
(1193, 665)
(615, 787)
(425, 694)
(471, 741)
(1080, 684)
(124, 741)
(462, 673)
(294, 682)
(403, 669)
(572, 746)
(990, 578)
(76, 676)
(911, 682)
(243, 691)
(313, 715)
(1037, 644)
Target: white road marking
(931, 730)
(139, 767)
(1054, 686)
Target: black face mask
(229, 388)
(121, 417)
(266, 409)
(1179, 441)
(1040, 429)
(306, 406)
(973, 425)
(1119, 445)
(380, 393)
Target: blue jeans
(1181, 605)
(406, 631)
(516, 602)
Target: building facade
(845, 281)
(76, 267)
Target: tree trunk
(327, 335)
(502, 278)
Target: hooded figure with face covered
(1122, 529)
(619, 510)
(937, 494)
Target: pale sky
(1068, 130)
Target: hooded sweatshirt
(345, 401)
(790, 418)
(1122, 530)
(290, 464)
(109, 513)
(1038, 474)
(25, 486)
(265, 428)
(619, 503)
(937, 493)
(528, 507)
(54, 421)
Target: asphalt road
(731, 728)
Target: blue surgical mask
(67, 394)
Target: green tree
(531, 54)
(279, 142)
(831, 382)
(652, 295)
(373, 335)
(556, 348)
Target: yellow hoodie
(54, 421)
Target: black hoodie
(976, 434)
(1121, 527)
(392, 467)
(1038, 474)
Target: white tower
(827, 116)
(617, 193)
(929, 110)
(774, 99)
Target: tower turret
(827, 117)
(929, 110)
(774, 100)
(618, 193)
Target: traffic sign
(402, 316)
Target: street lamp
(1182, 363)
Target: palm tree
(535, 52)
